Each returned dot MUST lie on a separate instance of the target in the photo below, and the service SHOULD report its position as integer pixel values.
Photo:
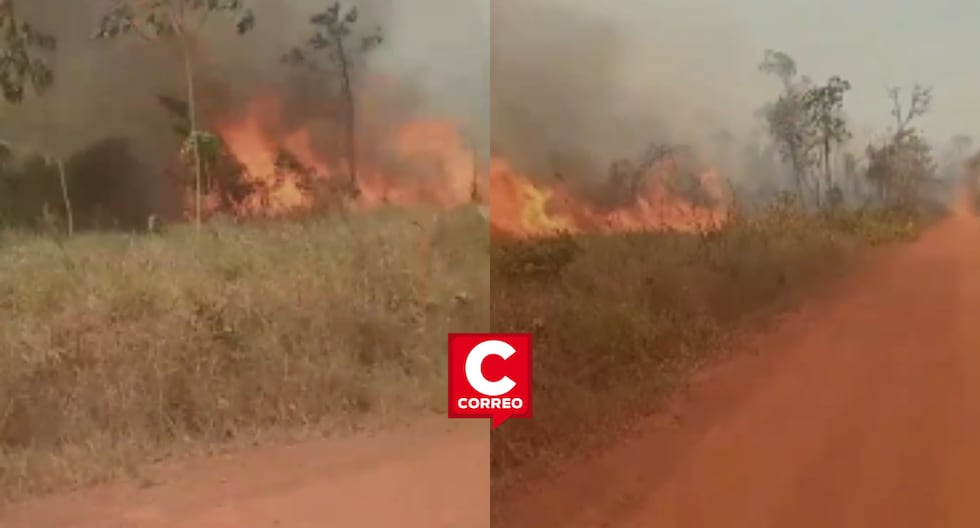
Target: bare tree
(180, 21)
(338, 37)
(920, 102)
(903, 165)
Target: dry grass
(618, 322)
(119, 349)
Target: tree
(788, 118)
(901, 167)
(336, 36)
(781, 65)
(181, 21)
(903, 164)
(825, 109)
(23, 66)
(920, 102)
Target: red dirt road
(860, 410)
(433, 476)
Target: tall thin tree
(825, 107)
(338, 37)
(180, 21)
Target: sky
(450, 61)
(703, 55)
(691, 64)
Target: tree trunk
(817, 193)
(798, 174)
(826, 165)
(192, 117)
(350, 118)
(63, 179)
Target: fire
(270, 170)
(524, 209)
(423, 162)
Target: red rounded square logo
(490, 376)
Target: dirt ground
(858, 410)
(433, 475)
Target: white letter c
(474, 368)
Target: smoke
(578, 85)
(575, 87)
(554, 72)
(433, 60)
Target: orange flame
(430, 164)
(524, 209)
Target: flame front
(277, 173)
(273, 171)
(521, 208)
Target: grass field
(118, 349)
(620, 321)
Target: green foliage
(901, 167)
(155, 19)
(825, 108)
(210, 148)
(824, 105)
(21, 50)
(788, 118)
(180, 19)
(779, 64)
(806, 122)
(336, 35)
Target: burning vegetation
(191, 344)
(323, 133)
(663, 191)
(256, 166)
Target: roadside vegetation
(130, 335)
(620, 321)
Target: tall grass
(619, 321)
(119, 349)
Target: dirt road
(434, 476)
(860, 410)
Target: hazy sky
(703, 54)
(691, 63)
(449, 60)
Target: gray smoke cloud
(435, 53)
(579, 83)
(573, 90)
